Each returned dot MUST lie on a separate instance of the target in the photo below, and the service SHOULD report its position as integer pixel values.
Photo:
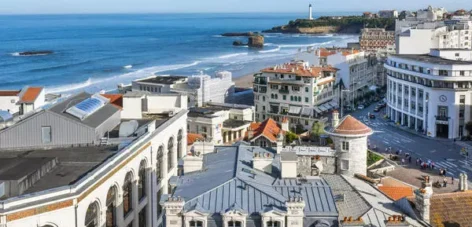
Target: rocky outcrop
(34, 53)
(235, 34)
(256, 41)
(239, 43)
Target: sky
(196, 6)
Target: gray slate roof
(228, 180)
(94, 120)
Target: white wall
(132, 107)
(9, 103)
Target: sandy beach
(244, 81)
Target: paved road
(445, 154)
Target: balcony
(442, 118)
(284, 91)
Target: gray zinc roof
(228, 180)
(94, 120)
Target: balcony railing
(284, 91)
(442, 118)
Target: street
(444, 153)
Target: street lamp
(342, 98)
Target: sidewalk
(414, 132)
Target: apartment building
(19, 102)
(295, 90)
(60, 176)
(376, 39)
(431, 93)
(357, 73)
(199, 89)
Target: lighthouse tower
(310, 13)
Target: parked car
(371, 116)
(377, 109)
(360, 107)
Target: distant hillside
(350, 24)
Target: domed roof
(351, 126)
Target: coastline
(244, 81)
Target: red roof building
(31, 94)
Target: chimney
(463, 185)
(335, 120)
(262, 161)
(173, 207)
(193, 163)
(250, 134)
(422, 199)
(285, 124)
(280, 142)
(288, 165)
(203, 147)
(295, 214)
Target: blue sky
(172, 6)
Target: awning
(326, 106)
(294, 110)
(322, 108)
(334, 104)
(306, 111)
(317, 109)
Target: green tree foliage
(345, 22)
(372, 158)
(290, 137)
(318, 129)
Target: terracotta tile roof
(268, 128)
(9, 93)
(300, 70)
(325, 53)
(347, 53)
(193, 137)
(31, 94)
(451, 208)
(115, 99)
(396, 193)
(351, 126)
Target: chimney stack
(295, 215)
(280, 142)
(335, 120)
(422, 199)
(288, 165)
(193, 163)
(262, 161)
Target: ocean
(98, 52)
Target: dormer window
(234, 224)
(195, 224)
(273, 224)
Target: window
(281, 76)
(142, 180)
(443, 72)
(306, 99)
(462, 99)
(294, 88)
(345, 146)
(46, 134)
(142, 217)
(263, 108)
(284, 97)
(91, 216)
(263, 98)
(461, 113)
(306, 89)
(170, 153)
(462, 73)
(127, 194)
(195, 224)
(344, 164)
(234, 224)
(160, 154)
(111, 208)
(273, 224)
(179, 143)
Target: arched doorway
(128, 194)
(91, 216)
(142, 183)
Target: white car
(360, 107)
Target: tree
(317, 130)
(468, 127)
(290, 137)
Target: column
(150, 196)
(174, 157)
(135, 203)
(164, 171)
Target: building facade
(294, 90)
(374, 39)
(431, 93)
(114, 184)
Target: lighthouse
(310, 13)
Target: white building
(431, 93)
(115, 183)
(22, 101)
(420, 38)
(388, 14)
(200, 89)
(357, 73)
(220, 123)
(295, 90)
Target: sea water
(98, 52)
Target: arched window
(160, 154)
(273, 224)
(111, 207)
(196, 224)
(179, 143)
(234, 224)
(128, 193)
(142, 180)
(91, 216)
(170, 154)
